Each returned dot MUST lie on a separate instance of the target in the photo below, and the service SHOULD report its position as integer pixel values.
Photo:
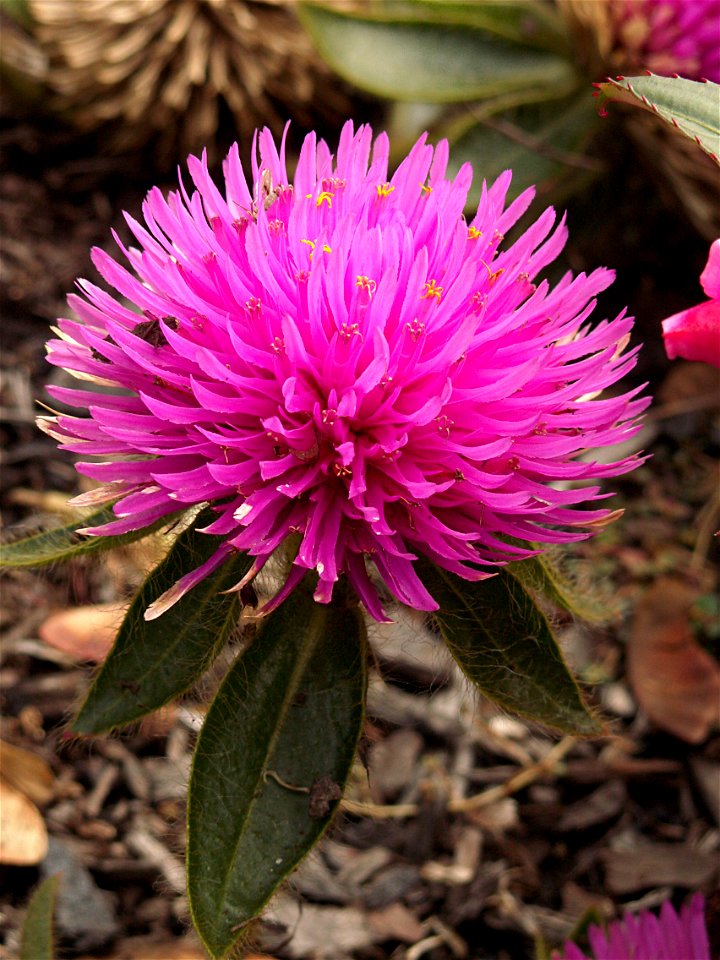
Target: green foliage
(691, 106)
(505, 646)
(541, 575)
(18, 10)
(64, 543)
(541, 141)
(154, 661)
(436, 57)
(508, 61)
(525, 22)
(271, 761)
(37, 934)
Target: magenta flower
(345, 359)
(667, 37)
(647, 937)
(694, 334)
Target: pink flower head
(667, 37)
(346, 359)
(695, 333)
(648, 937)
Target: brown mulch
(471, 834)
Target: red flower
(695, 333)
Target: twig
(279, 780)
(520, 780)
(424, 946)
(381, 811)
(573, 159)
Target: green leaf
(287, 716)
(37, 934)
(18, 10)
(527, 22)
(541, 575)
(410, 59)
(541, 141)
(504, 645)
(64, 543)
(691, 106)
(154, 661)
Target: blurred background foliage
(508, 83)
(102, 98)
(174, 73)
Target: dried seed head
(168, 70)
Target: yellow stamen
(432, 290)
(324, 197)
(415, 329)
(474, 233)
(426, 188)
(311, 244)
(384, 189)
(492, 275)
(444, 423)
(349, 330)
(365, 283)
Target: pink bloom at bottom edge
(344, 359)
(669, 936)
(694, 334)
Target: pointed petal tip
(244, 581)
(95, 497)
(165, 601)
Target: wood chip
(325, 933)
(23, 836)
(707, 777)
(676, 681)
(84, 914)
(392, 763)
(395, 922)
(676, 865)
(440, 713)
(28, 772)
(84, 633)
(140, 948)
(313, 879)
(601, 805)
(406, 645)
(147, 846)
(393, 883)
(362, 866)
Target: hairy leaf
(403, 58)
(541, 576)
(63, 543)
(505, 646)
(37, 934)
(154, 661)
(691, 106)
(271, 761)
